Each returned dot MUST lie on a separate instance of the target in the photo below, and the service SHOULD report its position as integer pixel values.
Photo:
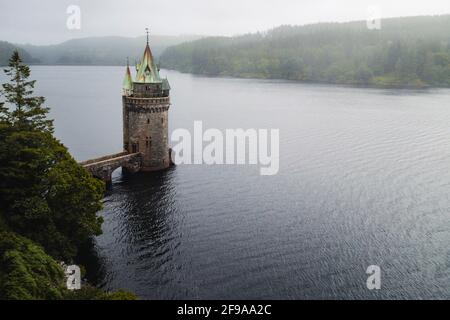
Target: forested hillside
(406, 52)
(101, 50)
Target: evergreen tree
(48, 202)
(26, 112)
(45, 195)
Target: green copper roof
(127, 81)
(147, 70)
(165, 84)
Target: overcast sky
(44, 21)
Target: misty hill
(411, 52)
(101, 50)
(7, 49)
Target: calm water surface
(364, 179)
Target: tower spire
(147, 70)
(127, 81)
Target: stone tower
(146, 105)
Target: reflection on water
(141, 217)
(364, 179)
(140, 213)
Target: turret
(127, 82)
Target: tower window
(148, 121)
(162, 120)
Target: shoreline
(362, 86)
(347, 85)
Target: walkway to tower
(103, 167)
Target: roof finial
(146, 30)
(128, 62)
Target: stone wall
(103, 168)
(146, 130)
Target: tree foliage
(47, 200)
(47, 196)
(27, 112)
(44, 194)
(88, 292)
(27, 272)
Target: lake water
(364, 180)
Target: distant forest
(405, 52)
(6, 51)
(91, 51)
